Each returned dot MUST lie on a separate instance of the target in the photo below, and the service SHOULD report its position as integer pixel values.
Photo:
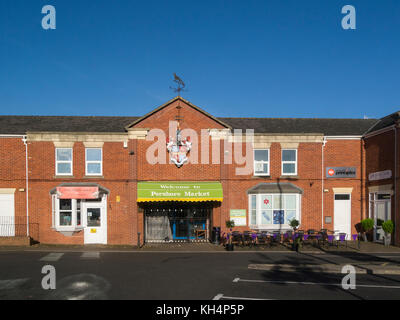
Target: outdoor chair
(237, 238)
(276, 238)
(300, 234)
(331, 239)
(262, 238)
(287, 237)
(341, 239)
(247, 238)
(324, 236)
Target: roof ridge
(297, 118)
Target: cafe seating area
(323, 238)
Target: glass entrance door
(381, 212)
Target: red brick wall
(123, 167)
(12, 175)
(380, 156)
(116, 163)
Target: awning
(283, 187)
(179, 191)
(79, 191)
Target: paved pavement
(198, 275)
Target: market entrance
(177, 221)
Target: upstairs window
(94, 162)
(261, 162)
(64, 161)
(289, 162)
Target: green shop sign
(179, 191)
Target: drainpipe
(24, 140)
(395, 181)
(322, 179)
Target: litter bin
(216, 235)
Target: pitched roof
(328, 127)
(171, 101)
(387, 121)
(23, 124)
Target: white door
(7, 219)
(342, 214)
(95, 222)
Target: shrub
(230, 224)
(294, 223)
(388, 226)
(379, 222)
(367, 224)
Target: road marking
(313, 283)
(52, 257)
(11, 284)
(90, 255)
(221, 296)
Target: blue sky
(262, 58)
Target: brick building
(82, 180)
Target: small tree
(230, 224)
(388, 226)
(294, 224)
(367, 225)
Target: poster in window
(279, 217)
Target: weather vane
(180, 85)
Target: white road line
(218, 296)
(90, 255)
(221, 296)
(314, 283)
(52, 257)
(11, 284)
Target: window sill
(261, 176)
(67, 229)
(63, 177)
(93, 177)
(294, 177)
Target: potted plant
(294, 224)
(388, 228)
(367, 225)
(296, 242)
(230, 224)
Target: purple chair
(331, 238)
(354, 237)
(342, 238)
(306, 237)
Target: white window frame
(289, 162)
(262, 161)
(272, 226)
(74, 218)
(97, 161)
(73, 225)
(64, 161)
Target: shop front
(380, 208)
(80, 207)
(178, 211)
